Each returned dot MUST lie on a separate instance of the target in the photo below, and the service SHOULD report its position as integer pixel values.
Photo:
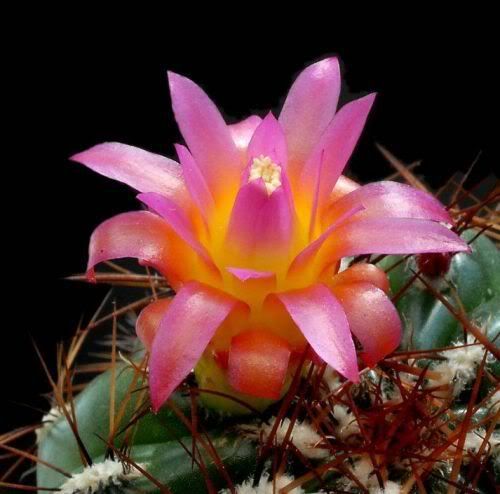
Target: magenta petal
(187, 327)
(269, 140)
(243, 131)
(391, 200)
(302, 259)
(309, 108)
(372, 318)
(138, 234)
(323, 322)
(177, 220)
(195, 182)
(329, 158)
(141, 170)
(260, 223)
(205, 132)
(243, 274)
(391, 236)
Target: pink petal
(372, 318)
(258, 363)
(137, 234)
(243, 131)
(141, 170)
(250, 274)
(177, 220)
(390, 200)
(360, 272)
(269, 140)
(303, 258)
(251, 285)
(195, 182)
(391, 236)
(260, 223)
(187, 327)
(205, 132)
(149, 319)
(329, 158)
(323, 322)
(343, 186)
(309, 108)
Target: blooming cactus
(250, 228)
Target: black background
(436, 103)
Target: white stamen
(99, 476)
(263, 167)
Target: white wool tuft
(348, 424)
(48, 420)
(390, 487)
(390, 393)
(265, 486)
(460, 365)
(99, 476)
(303, 436)
(364, 471)
(332, 379)
(494, 401)
(475, 439)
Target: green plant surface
(59, 446)
(473, 281)
(156, 439)
(171, 465)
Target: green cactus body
(476, 279)
(156, 439)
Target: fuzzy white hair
(99, 476)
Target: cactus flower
(249, 228)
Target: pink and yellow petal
(329, 157)
(148, 322)
(308, 109)
(360, 272)
(242, 133)
(175, 218)
(372, 318)
(304, 260)
(141, 170)
(269, 140)
(185, 330)
(258, 363)
(323, 322)
(250, 285)
(196, 183)
(260, 228)
(390, 236)
(145, 236)
(206, 134)
(343, 186)
(389, 200)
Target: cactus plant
(323, 336)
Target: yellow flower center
(263, 167)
